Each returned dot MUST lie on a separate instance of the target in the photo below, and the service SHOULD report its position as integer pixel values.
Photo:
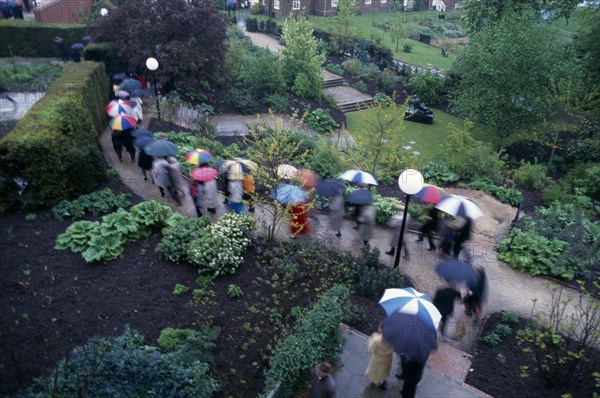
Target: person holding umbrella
(430, 227)
(205, 184)
(144, 160)
(366, 221)
(333, 188)
(163, 177)
(444, 301)
(476, 294)
(461, 236)
(395, 224)
(380, 363)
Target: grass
(428, 138)
(28, 77)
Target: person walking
(430, 227)
(117, 143)
(322, 384)
(145, 163)
(366, 221)
(211, 196)
(412, 371)
(444, 301)
(380, 363)
(236, 192)
(336, 214)
(197, 193)
(461, 236)
(127, 140)
(395, 223)
(475, 297)
(249, 189)
(298, 214)
(163, 178)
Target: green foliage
(63, 130)
(320, 120)
(457, 146)
(563, 343)
(585, 176)
(259, 83)
(106, 53)
(95, 203)
(360, 70)
(234, 291)
(35, 40)
(30, 216)
(429, 87)
(533, 176)
(385, 207)
(276, 102)
(491, 339)
(178, 235)
(151, 214)
(220, 250)
(510, 317)
(316, 338)
(77, 236)
(179, 290)
(28, 77)
(372, 281)
(511, 196)
(102, 362)
(361, 86)
(502, 330)
(407, 47)
(325, 159)
(386, 81)
(438, 173)
(335, 68)
(242, 100)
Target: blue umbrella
(358, 176)
(289, 194)
(409, 301)
(140, 143)
(330, 187)
(139, 133)
(409, 335)
(87, 38)
(120, 77)
(77, 46)
(360, 197)
(456, 271)
(161, 148)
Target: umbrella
(409, 301)
(330, 187)
(235, 172)
(457, 205)
(198, 156)
(87, 38)
(289, 194)
(409, 335)
(431, 194)
(130, 85)
(161, 148)
(142, 142)
(120, 77)
(139, 133)
(77, 46)
(123, 122)
(360, 197)
(247, 164)
(307, 178)
(456, 271)
(137, 93)
(286, 171)
(223, 165)
(358, 177)
(122, 94)
(117, 107)
(204, 174)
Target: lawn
(428, 138)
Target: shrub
(178, 235)
(505, 195)
(372, 281)
(35, 40)
(585, 176)
(180, 290)
(361, 86)
(335, 68)
(242, 100)
(325, 159)
(428, 86)
(387, 81)
(502, 330)
(276, 102)
(483, 162)
(385, 208)
(320, 120)
(438, 173)
(96, 203)
(407, 47)
(491, 339)
(234, 291)
(316, 338)
(259, 83)
(510, 317)
(532, 176)
(308, 85)
(354, 67)
(103, 362)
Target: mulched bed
(497, 370)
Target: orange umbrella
(307, 178)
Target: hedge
(107, 53)
(317, 338)
(25, 39)
(54, 148)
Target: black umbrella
(161, 148)
(330, 187)
(77, 46)
(131, 85)
(120, 77)
(360, 197)
(456, 271)
(139, 133)
(140, 143)
(410, 335)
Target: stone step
(355, 105)
(334, 82)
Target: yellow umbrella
(247, 162)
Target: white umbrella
(457, 205)
(286, 171)
(358, 176)
(409, 301)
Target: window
(296, 5)
(383, 1)
(334, 3)
(276, 4)
(367, 2)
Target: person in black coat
(117, 143)
(444, 301)
(473, 301)
(461, 236)
(145, 163)
(412, 372)
(127, 140)
(430, 227)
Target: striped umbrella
(457, 205)
(204, 174)
(358, 176)
(118, 107)
(431, 194)
(198, 156)
(122, 122)
(409, 301)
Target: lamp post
(103, 12)
(410, 182)
(152, 64)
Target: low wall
(62, 11)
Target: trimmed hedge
(317, 338)
(24, 39)
(107, 53)
(54, 148)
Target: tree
(477, 14)
(501, 76)
(586, 46)
(397, 31)
(187, 39)
(301, 59)
(560, 8)
(345, 21)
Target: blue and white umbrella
(289, 194)
(411, 302)
(358, 176)
(457, 205)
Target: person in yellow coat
(380, 364)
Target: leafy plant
(77, 236)
(533, 176)
(502, 330)
(95, 203)
(234, 291)
(511, 196)
(320, 120)
(429, 87)
(151, 215)
(180, 290)
(438, 173)
(407, 47)
(30, 216)
(361, 86)
(335, 68)
(491, 339)
(177, 236)
(510, 317)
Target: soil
(497, 370)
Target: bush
(491, 339)
(325, 159)
(585, 176)
(95, 203)
(180, 290)
(438, 173)
(242, 100)
(483, 162)
(505, 195)
(103, 362)
(320, 120)
(259, 83)
(407, 47)
(308, 85)
(361, 86)
(316, 338)
(532, 176)
(35, 40)
(372, 282)
(178, 235)
(107, 53)
(429, 87)
(385, 208)
(387, 80)
(276, 102)
(502, 330)
(510, 317)
(335, 68)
